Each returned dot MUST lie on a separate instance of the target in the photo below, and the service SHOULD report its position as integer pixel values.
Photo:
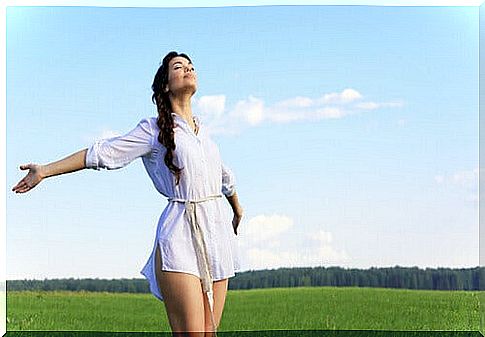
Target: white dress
(196, 209)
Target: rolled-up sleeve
(117, 152)
(228, 181)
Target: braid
(165, 120)
(166, 136)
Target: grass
(319, 308)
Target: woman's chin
(191, 89)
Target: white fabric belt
(200, 248)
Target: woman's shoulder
(151, 119)
(151, 122)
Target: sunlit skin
(182, 85)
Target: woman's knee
(220, 289)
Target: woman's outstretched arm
(72, 163)
(110, 153)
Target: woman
(192, 257)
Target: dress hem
(154, 287)
(197, 275)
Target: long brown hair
(165, 119)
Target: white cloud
(346, 96)
(323, 236)
(262, 227)
(250, 110)
(329, 112)
(283, 116)
(374, 105)
(367, 105)
(261, 258)
(273, 241)
(391, 104)
(439, 178)
(253, 111)
(296, 102)
(463, 178)
(466, 181)
(211, 105)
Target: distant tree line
(394, 277)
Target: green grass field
(257, 309)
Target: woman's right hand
(33, 177)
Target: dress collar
(182, 122)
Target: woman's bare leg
(220, 290)
(182, 296)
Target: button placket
(199, 164)
(204, 165)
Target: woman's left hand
(236, 220)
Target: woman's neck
(182, 107)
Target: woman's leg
(182, 296)
(220, 290)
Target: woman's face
(181, 76)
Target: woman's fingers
(21, 187)
(25, 187)
(20, 184)
(235, 223)
(22, 190)
(29, 181)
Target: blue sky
(352, 131)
